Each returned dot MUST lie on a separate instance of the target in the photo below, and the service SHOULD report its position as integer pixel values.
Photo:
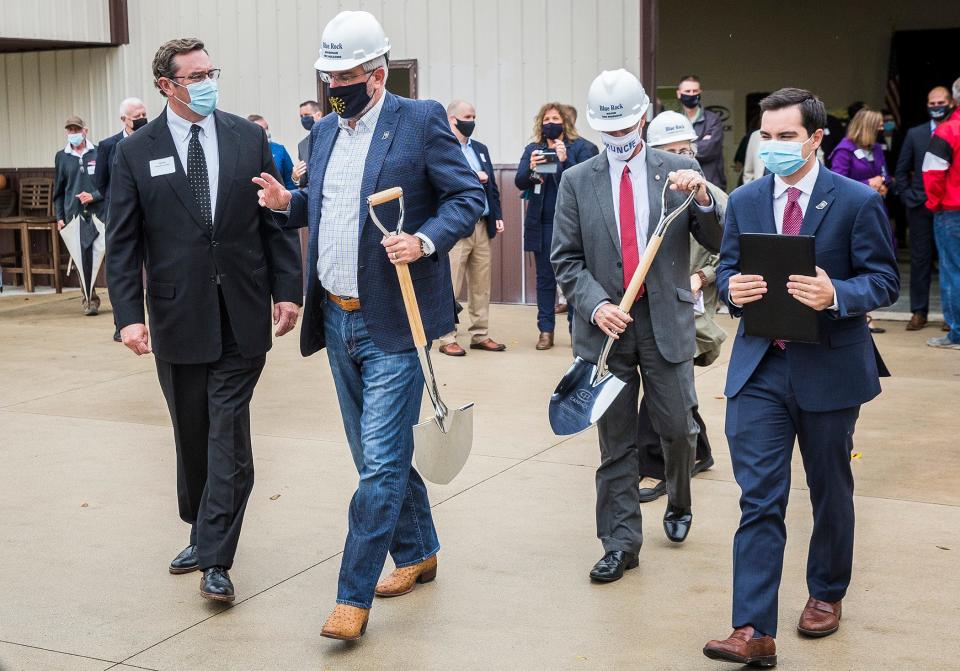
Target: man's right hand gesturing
(272, 194)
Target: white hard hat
(616, 100)
(350, 39)
(669, 127)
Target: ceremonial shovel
(587, 390)
(442, 443)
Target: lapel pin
(657, 177)
(822, 204)
(386, 135)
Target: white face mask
(621, 147)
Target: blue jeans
(946, 228)
(379, 394)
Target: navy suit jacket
(909, 171)
(854, 248)
(101, 178)
(413, 148)
(490, 188)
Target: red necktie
(792, 221)
(628, 230)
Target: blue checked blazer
(413, 148)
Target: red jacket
(941, 166)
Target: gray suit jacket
(303, 154)
(589, 265)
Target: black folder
(778, 315)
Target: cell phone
(549, 166)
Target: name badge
(162, 166)
(91, 168)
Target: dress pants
(209, 406)
(379, 394)
(920, 220)
(470, 259)
(648, 443)
(671, 398)
(763, 420)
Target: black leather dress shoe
(701, 466)
(216, 584)
(648, 494)
(187, 561)
(676, 523)
(116, 336)
(612, 566)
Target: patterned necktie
(628, 229)
(792, 221)
(197, 176)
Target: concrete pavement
(89, 523)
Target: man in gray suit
(606, 210)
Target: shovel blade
(440, 456)
(578, 402)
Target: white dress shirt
(180, 130)
(780, 187)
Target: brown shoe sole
(766, 661)
(425, 577)
(337, 637)
(498, 348)
(817, 633)
(217, 597)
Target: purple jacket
(844, 162)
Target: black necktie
(197, 175)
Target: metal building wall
(74, 20)
(506, 55)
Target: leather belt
(346, 304)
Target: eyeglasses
(684, 152)
(341, 79)
(197, 77)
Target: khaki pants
(470, 258)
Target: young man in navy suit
(781, 392)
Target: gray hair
(455, 106)
(956, 90)
(378, 62)
(128, 103)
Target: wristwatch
(423, 252)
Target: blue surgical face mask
(203, 96)
(75, 138)
(783, 158)
(889, 126)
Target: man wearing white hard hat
(672, 132)
(596, 251)
(354, 306)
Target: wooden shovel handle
(640, 276)
(410, 303)
(385, 196)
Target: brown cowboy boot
(402, 580)
(346, 623)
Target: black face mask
(466, 127)
(937, 113)
(551, 131)
(139, 123)
(690, 101)
(307, 122)
(349, 101)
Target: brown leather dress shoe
(346, 623)
(453, 349)
(820, 618)
(917, 321)
(488, 345)
(545, 341)
(743, 648)
(402, 580)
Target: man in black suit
(133, 115)
(909, 184)
(184, 209)
(310, 113)
(470, 257)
